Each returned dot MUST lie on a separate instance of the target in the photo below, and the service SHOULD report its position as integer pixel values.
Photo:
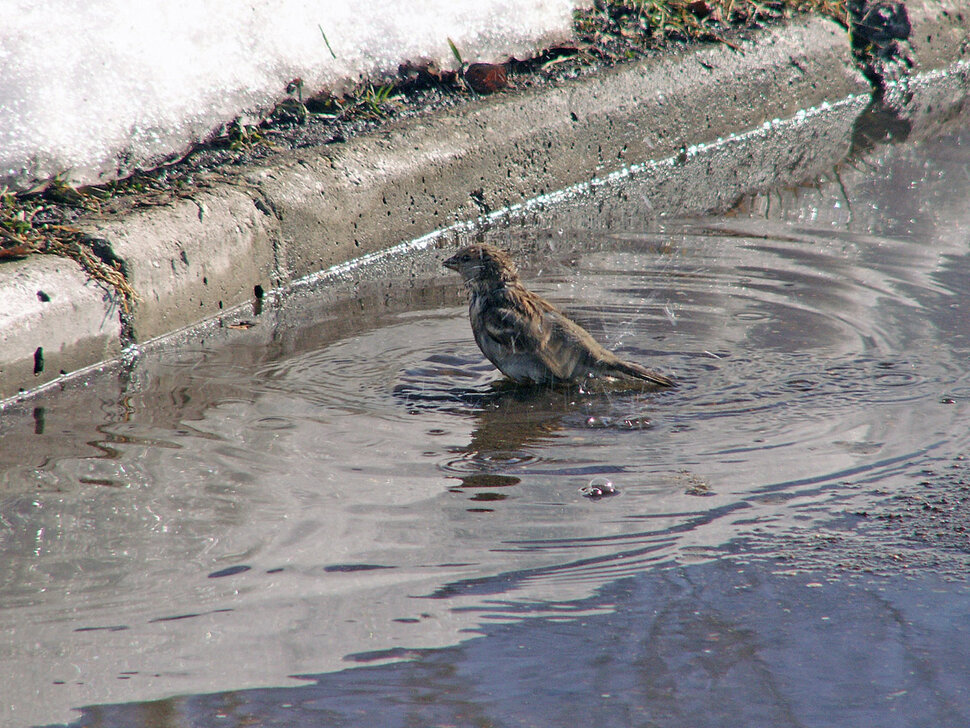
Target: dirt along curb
(301, 212)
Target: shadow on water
(338, 486)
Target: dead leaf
(16, 251)
(485, 78)
(15, 246)
(700, 8)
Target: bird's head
(483, 265)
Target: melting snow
(93, 89)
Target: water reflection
(715, 644)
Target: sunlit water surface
(223, 518)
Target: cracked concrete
(302, 212)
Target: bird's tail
(638, 372)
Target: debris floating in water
(599, 488)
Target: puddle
(716, 644)
(347, 484)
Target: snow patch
(95, 90)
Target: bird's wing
(511, 327)
(516, 323)
(568, 350)
(532, 327)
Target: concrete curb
(941, 32)
(53, 320)
(304, 212)
(379, 190)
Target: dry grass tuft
(27, 228)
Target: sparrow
(525, 336)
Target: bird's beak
(452, 263)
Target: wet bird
(525, 336)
